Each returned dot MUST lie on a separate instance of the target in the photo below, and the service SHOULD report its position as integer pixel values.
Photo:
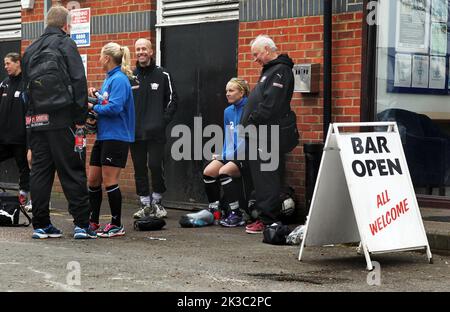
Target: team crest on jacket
(154, 86)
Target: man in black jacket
(12, 122)
(268, 102)
(53, 123)
(155, 104)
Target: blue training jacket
(116, 119)
(232, 117)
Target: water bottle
(80, 140)
(101, 98)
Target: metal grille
(10, 19)
(182, 12)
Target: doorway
(201, 58)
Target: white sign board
(80, 30)
(84, 60)
(364, 194)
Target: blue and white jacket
(232, 142)
(115, 108)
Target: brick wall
(95, 73)
(302, 39)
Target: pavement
(212, 259)
(437, 226)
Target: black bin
(313, 155)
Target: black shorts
(109, 153)
(239, 163)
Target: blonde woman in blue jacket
(115, 132)
(226, 171)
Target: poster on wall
(418, 53)
(438, 41)
(413, 26)
(402, 70)
(439, 11)
(420, 71)
(80, 30)
(437, 72)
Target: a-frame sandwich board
(364, 193)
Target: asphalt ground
(212, 259)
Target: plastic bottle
(100, 97)
(217, 216)
(80, 140)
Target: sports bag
(49, 87)
(149, 224)
(10, 210)
(276, 234)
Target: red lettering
(388, 218)
(373, 228)
(399, 208)
(405, 204)
(387, 199)
(379, 223)
(393, 214)
(384, 223)
(379, 201)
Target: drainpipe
(313, 151)
(327, 50)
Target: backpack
(49, 87)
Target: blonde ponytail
(126, 62)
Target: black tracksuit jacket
(271, 97)
(155, 102)
(12, 111)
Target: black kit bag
(10, 210)
(49, 87)
(289, 135)
(276, 234)
(149, 224)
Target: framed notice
(439, 11)
(437, 72)
(438, 39)
(420, 71)
(413, 26)
(403, 70)
(419, 52)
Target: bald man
(155, 105)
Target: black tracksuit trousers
(54, 150)
(148, 155)
(267, 185)
(19, 153)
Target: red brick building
(204, 43)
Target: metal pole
(327, 70)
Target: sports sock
(212, 188)
(115, 203)
(95, 201)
